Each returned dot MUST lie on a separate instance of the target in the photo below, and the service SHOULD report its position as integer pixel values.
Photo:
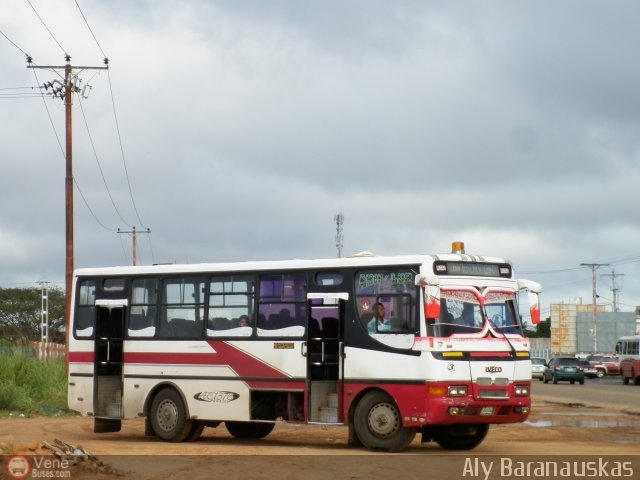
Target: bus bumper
(478, 405)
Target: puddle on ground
(584, 420)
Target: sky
(237, 129)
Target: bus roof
(360, 260)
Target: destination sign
(472, 269)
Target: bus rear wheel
(460, 437)
(255, 430)
(378, 424)
(169, 416)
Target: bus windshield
(465, 311)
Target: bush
(31, 386)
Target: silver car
(538, 366)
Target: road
(566, 420)
(607, 392)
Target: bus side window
(282, 305)
(390, 296)
(182, 307)
(142, 314)
(86, 310)
(231, 303)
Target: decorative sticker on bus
(283, 346)
(216, 397)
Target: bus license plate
(486, 411)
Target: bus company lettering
(396, 278)
(216, 397)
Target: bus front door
(108, 367)
(324, 356)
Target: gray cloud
(247, 125)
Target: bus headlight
(521, 390)
(457, 391)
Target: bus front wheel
(378, 424)
(169, 416)
(460, 437)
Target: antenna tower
(339, 219)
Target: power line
(124, 162)
(90, 30)
(547, 272)
(47, 28)
(60, 93)
(77, 185)
(115, 115)
(95, 154)
(16, 45)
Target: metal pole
(594, 324)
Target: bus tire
(378, 423)
(460, 437)
(169, 416)
(253, 430)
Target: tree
(543, 329)
(21, 314)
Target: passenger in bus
(378, 323)
(243, 321)
(468, 316)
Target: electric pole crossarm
(134, 247)
(58, 67)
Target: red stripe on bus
(81, 357)
(222, 354)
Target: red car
(605, 364)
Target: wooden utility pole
(65, 91)
(134, 246)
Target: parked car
(538, 366)
(588, 370)
(605, 364)
(564, 368)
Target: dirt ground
(317, 452)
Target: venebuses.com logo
(37, 466)
(18, 467)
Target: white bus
(628, 351)
(249, 344)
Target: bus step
(328, 415)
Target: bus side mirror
(430, 286)
(533, 293)
(534, 306)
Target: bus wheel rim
(167, 415)
(384, 420)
